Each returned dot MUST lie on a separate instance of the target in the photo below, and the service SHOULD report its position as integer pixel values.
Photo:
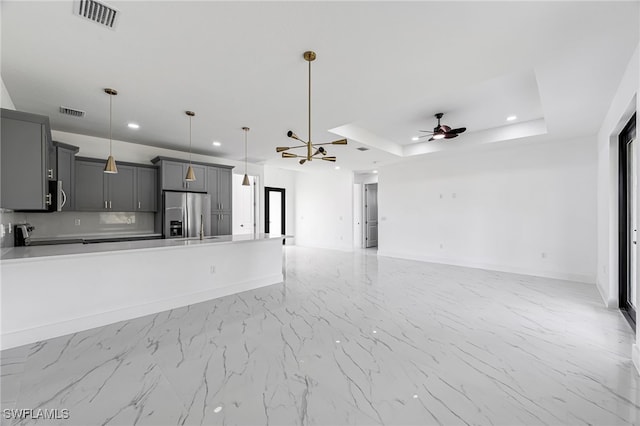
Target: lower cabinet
(221, 224)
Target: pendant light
(245, 181)
(110, 167)
(191, 176)
(312, 153)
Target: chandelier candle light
(191, 176)
(245, 180)
(308, 56)
(110, 167)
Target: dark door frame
(267, 190)
(626, 136)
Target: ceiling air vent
(97, 12)
(72, 112)
(362, 148)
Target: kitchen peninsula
(49, 291)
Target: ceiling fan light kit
(442, 131)
(308, 56)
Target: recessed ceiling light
(133, 126)
(337, 167)
(216, 143)
(415, 138)
(511, 118)
(337, 341)
(375, 171)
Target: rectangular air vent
(72, 112)
(362, 148)
(96, 12)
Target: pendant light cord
(110, 118)
(190, 140)
(309, 146)
(245, 151)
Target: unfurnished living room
(319, 212)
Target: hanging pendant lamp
(245, 181)
(191, 176)
(308, 56)
(110, 166)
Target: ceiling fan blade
(339, 142)
(458, 130)
(450, 135)
(289, 155)
(430, 139)
(329, 158)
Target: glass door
(628, 221)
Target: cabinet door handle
(50, 173)
(139, 205)
(221, 206)
(109, 203)
(105, 204)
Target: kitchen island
(49, 291)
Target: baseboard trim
(49, 331)
(586, 279)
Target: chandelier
(313, 150)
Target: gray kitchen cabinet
(25, 143)
(119, 189)
(65, 172)
(174, 172)
(99, 191)
(146, 189)
(89, 186)
(221, 224)
(219, 185)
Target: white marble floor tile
(348, 338)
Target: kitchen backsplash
(77, 224)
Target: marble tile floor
(349, 338)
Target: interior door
(371, 214)
(632, 226)
(243, 206)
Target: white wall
(528, 209)
(281, 178)
(624, 103)
(5, 97)
(324, 209)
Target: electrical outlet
(77, 222)
(441, 246)
(212, 269)
(453, 195)
(544, 255)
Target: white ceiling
(383, 70)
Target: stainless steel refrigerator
(185, 213)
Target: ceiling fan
(442, 131)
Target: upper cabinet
(146, 189)
(173, 173)
(66, 171)
(25, 149)
(219, 183)
(133, 188)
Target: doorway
(245, 205)
(628, 221)
(274, 211)
(371, 215)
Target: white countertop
(12, 254)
